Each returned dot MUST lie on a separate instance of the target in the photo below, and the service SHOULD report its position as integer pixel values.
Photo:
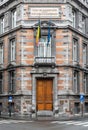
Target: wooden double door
(44, 94)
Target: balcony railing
(44, 60)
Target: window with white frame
(13, 18)
(1, 25)
(85, 83)
(84, 54)
(11, 81)
(1, 53)
(83, 24)
(44, 50)
(73, 18)
(1, 82)
(76, 82)
(13, 50)
(75, 50)
(66, 81)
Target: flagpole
(48, 38)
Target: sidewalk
(29, 117)
(16, 117)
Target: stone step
(45, 118)
(45, 113)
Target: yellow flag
(38, 35)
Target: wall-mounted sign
(10, 98)
(81, 98)
(44, 12)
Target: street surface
(43, 125)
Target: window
(1, 53)
(77, 107)
(1, 82)
(11, 81)
(83, 24)
(85, 86)
(75, 51)
(74, 18)
(66, 82)
(13, 50)
(84, 54)
(1, 25)
(86, 107)
(76, 86)
(84, 82)
(13, 18)
(44, 50)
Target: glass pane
(43, 49)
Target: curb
(29, 118)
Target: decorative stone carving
(19, 12)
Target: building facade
(43, 79)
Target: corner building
(41, 79)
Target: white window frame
(84, 54)
(66, 82)
(1, 25)
(75, 81)
(75, 50)
(1, 53)
(13, 49)
(44, 50)
(73, 18)
(85, 82)
(13, 18)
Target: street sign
(10, 98)
(81, 98)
